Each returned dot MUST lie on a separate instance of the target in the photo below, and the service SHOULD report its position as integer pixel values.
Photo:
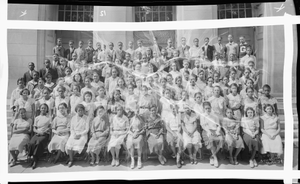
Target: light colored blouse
(79, 125)
(42, 123)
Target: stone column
(113, 14)
(184, 13)
(274, 48)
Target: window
(75, 13)
(231, 11)
(153, 13)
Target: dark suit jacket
(52, 71)
(69, 53)
(27, 77)
(210, 52)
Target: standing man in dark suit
(69, 52)
(208, 50)
(183, 48)
(48, 69)
(28, 76)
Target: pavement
(150, 164)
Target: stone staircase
(282, 120)
(281, 117)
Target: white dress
(117, 135)
(58, 142)
(18, 141)
(196, 138)
(79, 126)
(271, 126)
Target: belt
(143, 107)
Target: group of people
(151, 99)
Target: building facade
(26, 46)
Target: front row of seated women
(181, 131)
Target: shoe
(139, 164)
(68, 160)
(195, 161)
(192, 161)
(34, 165)
(113, 162)
(235, 161)
(231, 161)
(251, 163)
(91, 163)
(12, 163)
(216, 163)
(70, 164)
(179, 164)
(255, 163)
(164, 159)
(132, 164)
(31, 164)
(211, 160)
(97, 162)
(117, 162)
(160, 159)
(182, 162)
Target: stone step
(295, 132)
(295, 142)
(281, 105)
(281, 117)
(282, 125)
(280, 99)
(281, 111)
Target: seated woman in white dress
(251, 127)
(79, 134)
(99, 135)
(61, 131)
(270, 127)
(218, 103)
(211, 134)
(135, 139)
(154, 134)
(22, 127)
(119, 128)
(174, 137)
(232, 137)
(191, 136)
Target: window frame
(173, 11)
(80, 9)
(225, 9)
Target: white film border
(287, 174)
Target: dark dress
(38, 143)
